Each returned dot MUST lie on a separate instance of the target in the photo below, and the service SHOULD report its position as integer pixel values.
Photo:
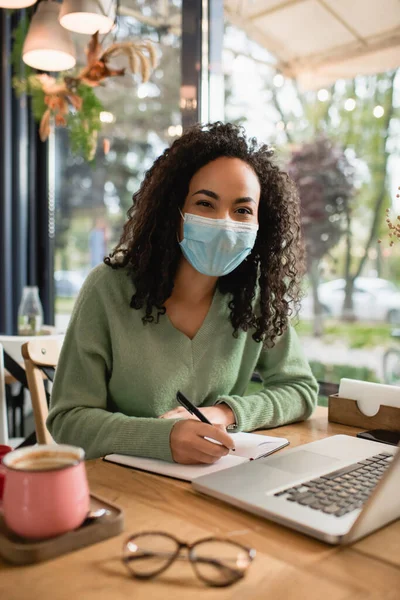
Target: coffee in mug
(46, 491)
(44, 461)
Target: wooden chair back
(39, 356)
(3, 403)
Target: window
(340, 141)
(140, 120)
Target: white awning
(320, 41)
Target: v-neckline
(194, 349)
(203, 327)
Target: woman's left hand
(220, 414)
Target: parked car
(374, 299)
(68, 283)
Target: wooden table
(288, 565)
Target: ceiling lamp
(16, 3)
(48, 46)
(88, 16)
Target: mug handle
(3, 451)
(2, 484)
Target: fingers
(216, 432)
(211, 448)
(197, 457)
(188, 445)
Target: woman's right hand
(189, 446)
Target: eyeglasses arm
(202, 559)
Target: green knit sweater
(116, 375)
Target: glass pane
(139, 120)
(148, 554)
(340, 142)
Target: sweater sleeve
(78, 411)
(289, 390)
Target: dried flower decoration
(69, 100)
(393, 226)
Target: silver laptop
(338, 489)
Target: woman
(196, 296)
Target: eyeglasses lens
(145, 555)
(220, 562)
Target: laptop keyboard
(342, 491)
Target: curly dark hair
(150, 249)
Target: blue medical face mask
(216, 246)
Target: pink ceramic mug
(46, 491)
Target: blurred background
(316, 79)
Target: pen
(183, 401)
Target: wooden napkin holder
(346, 412)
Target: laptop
(337, 490)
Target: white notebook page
(248, 446)
(254, 445)
(185, 472)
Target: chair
(3, 403)
(326, 388)
(5, 438)
(40, 356)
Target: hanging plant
(69, 100)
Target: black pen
(193, 410)
(183, 401)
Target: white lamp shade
(48, 46)
(16, 3)
(88, 16)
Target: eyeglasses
(216, 561)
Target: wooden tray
(20, 551)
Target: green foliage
(84, 124)
(303, 328)
(38, 104)
(31, 86)
(21, 86)
(392, 266)
(359, 335)
(367, 141)
(354, 335)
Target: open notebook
(249, 446)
